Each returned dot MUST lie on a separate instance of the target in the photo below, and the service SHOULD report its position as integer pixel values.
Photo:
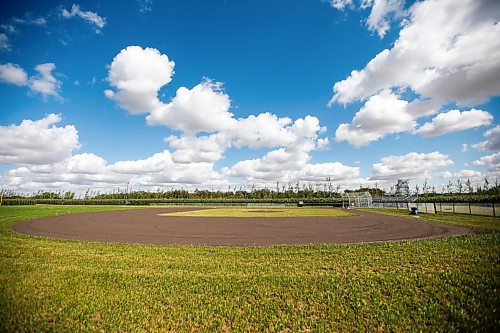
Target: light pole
(126, 195)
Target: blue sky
(425, 108)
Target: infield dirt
(146, 226)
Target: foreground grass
(433, 285)
(263, 212)
(464, 220)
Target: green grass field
(446, 285)
(263, 212)
(464, 220)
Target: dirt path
(145, 226)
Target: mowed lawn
(449, 284)
(464, 220)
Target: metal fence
(472, 208)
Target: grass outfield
(464, 220)
(448, 284)
(264, 212)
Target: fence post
(470, 210)
(435, 210)
(493, 205)
(453, 204)
(425, 207)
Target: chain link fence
(472, 208)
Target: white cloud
(161, 169)
(493, 142)
(378, 20)
(91, 17)
(138, 74)
(322, 143)
(453, 121)
(191, 149)
(381, 13)
(78, 172)
(4, 42)
(37, 142)
(208, 128)
(438, 58)
(8, 28)
(335, 171)
(340, 4)
(145, 6)
(465, 148)
(290, 163)
(13, 74)
(44, 82)
(412, 165)
(472, 175)
(492, 162)
(263, 130)
(448, 58)
(382, 114)
(205, 108)
(29, 20)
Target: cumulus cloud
(493, 140)
(334, 171)
(381, 12)
(382, 114)
(79, 171)
(138, 74)
(37, 142)
(463, 174)
(438, 59)
(204, 108)
(202, 115)
(263, 130)
(412, 165)
(43, 83)
(291, 162)
(492, 162)
(88, 16)
(162, 169)
(448, 58)
(13, 74)
(453, 121)
(196, 149)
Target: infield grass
(446, 285)
(264, 212)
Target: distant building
(403, 188)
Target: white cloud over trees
(37, 142)
(412, 165)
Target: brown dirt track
(145, 226)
